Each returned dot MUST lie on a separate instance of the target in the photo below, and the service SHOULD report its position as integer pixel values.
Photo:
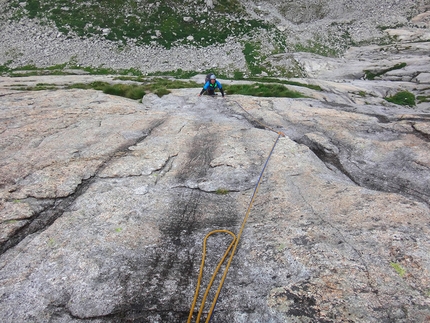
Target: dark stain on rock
(163, 279)
(199, 157)
(256, 124)
(169, 270)
(301, 241)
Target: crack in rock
(55, 209)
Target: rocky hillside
(105, 201)
(242, 37)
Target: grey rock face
(106, 201)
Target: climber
(211, 84)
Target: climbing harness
(231, 248)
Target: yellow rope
(232, 247)
(233, 244)
(196, 294)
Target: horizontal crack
(420, 134)
(132, 312)
(212, 191)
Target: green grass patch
(398, 268)
(29, 67)
(263, 90)
(155, 83)
(44, 87)
(4, 69)
(222, 191)
(179, 73)
(422, 99)
(56, 67)
(131, 91)
(109, 71)
(316, 47)
(161, 91)
(253, 58)
(402, 98)
(370, 75)
(396, 26)
(122, 20)
(59, 69)
(97, 85)
(136, 91)
(286, 82)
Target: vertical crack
(165, 168)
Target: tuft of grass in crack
(371, 75)
(396, 26)
(398, 268)
(51, 242)
(97, 85)
(281, 247)
(402, 98)
(263, 90)
(422, 99)
(221, 191)
(274, 80)
(44, 87)
(156, 83)
(37, 87)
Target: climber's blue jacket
(211, 86)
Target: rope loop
(231, 248)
